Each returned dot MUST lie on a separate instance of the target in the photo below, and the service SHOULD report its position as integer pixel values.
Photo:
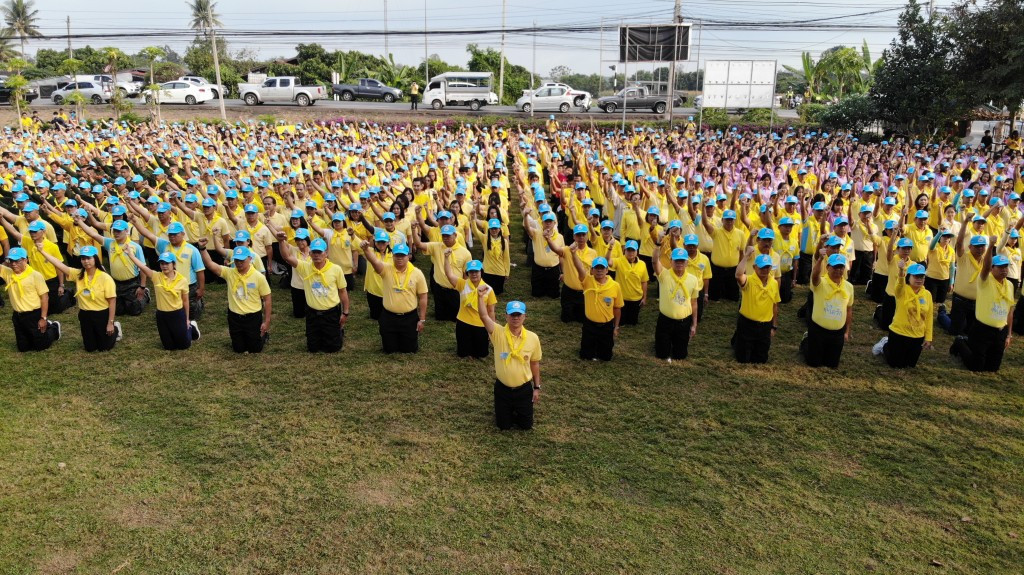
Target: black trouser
(128, 302)
(878, 283)
(902, 351)
(983, 350)
(470, 340)
(323, 330)
(1018, 316)
(630, 312)
(376, 305)
(803, 276)
(446, 303)
(672, 337)
(59, 303)
(244, 330)
(513, 405)
(298, 302)
(572, 305)
(938, 288)
(94, 330)
(862, 267)
(824, 346)
(888, 312)
(414, 101)
(962, 315)
(496, 282)
(544, 281)
(195, 304)
(398, 331)
(597, 340)
(350, 281)
(786, 287)
(649, 262)
(26, 331)
(752, 340)
(150, 256)
(723, 284)
(174, 332)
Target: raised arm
(962, 234)
(580, 268)
(286, 251)
(207, 261)
(741, 268)
(143, 267)
(986, 266)
(378, 265)
(64, 269)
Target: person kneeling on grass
(326, 294)
(29, 297)
(470, 337)
(832, 315)
(759, 309)
(174, 322)
(911, 327)
(677, 303)
(248, 296)
(97, 298)
(602, 308)
(517, 356)
(405, 300)
(989, 334)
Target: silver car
(93, 91)
(548, 98)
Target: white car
(580, 99)
(202, 82)
(95, 92)
(180, 92)
(554, 98)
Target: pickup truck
(635, 98)
(29, 94)
(367, 88)
(280, 89)
(129, 89)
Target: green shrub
(811, 113)
(851, 114)
(760, 116)
(715, 117)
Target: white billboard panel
(739, 83)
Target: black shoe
(57, 325)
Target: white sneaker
(195, 330)
(878, 347)
(670, 360)
(56, 323)
(120, 334)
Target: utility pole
(600, 61)
(426, 50)
(534, 66)
(386, 29)
(501, 66)
(70, 53)
(677, 18)
(931, 9)
(216, 70)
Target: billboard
(739, 84)
(666, 43)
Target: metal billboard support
(625, 82)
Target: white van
(473, 89)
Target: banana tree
(811, 73)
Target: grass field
(143, 461)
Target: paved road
(355, 107)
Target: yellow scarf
(471, 295)
(318, 272)
(84, 283)
(166, 285)
(977, 268)
(16, 280)
(404, 285)
(240, 283)
(513, 351)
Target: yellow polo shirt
(631, 277)
(995, 299)
(460, 255)
(169, 291)
(513, 355)
(25, 290)
(36, 260)
(913, 317)
(373, 284)
(321, 285)
(468, 302)
(401, 290)
(93, 294)
(968, 270)
(675, 294)
(725, 251)
(699, 267)
(245, 291)
(601, 300)
(757, 303)
(831, 303)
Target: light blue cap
(381, 236)
(17, 254)
(474, 266)
(580, 229)
(905, 243)
(88, 252)
(401, 250)
(766, 234)
(494, 224)
(599, 262)
(1000, 260)
(302, 234)
(119, 226)
(168, 257)
(175, 228)
(921, 215)
(448, 230)
(680, 254)
(241, 253)
(763, 261)
(632, 245)
(515, 307)
(729, 215)
(318, 245)
(37, 226)
(979, 241)
(916, 270)
(691, 240)
(837, 260)
(242, 236)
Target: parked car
(127, 88)
(366, 88)
(471, 89)
(217, 90)
(281, 89)
(554, 98)
(179, 92)
(636, 98)
(95, 92)
(579, 97)
(5, 94)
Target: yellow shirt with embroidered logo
(601, 300)
(468, 302)
(831, 303)
(401, 289)
(26, 289)
(321, 285)
(245, 291)
(168, 291)
(675, 294)
(92, 294)
(513, 355)
(994, 301)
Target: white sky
(581, 52)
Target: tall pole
(386, 52)
(625, 82)
(501, 65)
(532, 67)
(677, 17)
(426, 50)
(699, 86)
(216, 71)
(600, 61)
(70, 53)
(931, 9)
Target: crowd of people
(111, 217)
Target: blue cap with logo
(17, 254)
(599, 262)
(691, 240)
(175, 228)
(513, 307)
(474, 266)
(241, 253)
(318, 245)
(763, 261)
(836, 260)
(401, 250)
(679, 254)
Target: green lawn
(143, 461)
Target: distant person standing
(414, 96)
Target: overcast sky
(580, 52)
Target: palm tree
(811, 72)
(205, 19)
(20, 17)
(870, 68)
(151, 55)
(6, 50)
(394, 75)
